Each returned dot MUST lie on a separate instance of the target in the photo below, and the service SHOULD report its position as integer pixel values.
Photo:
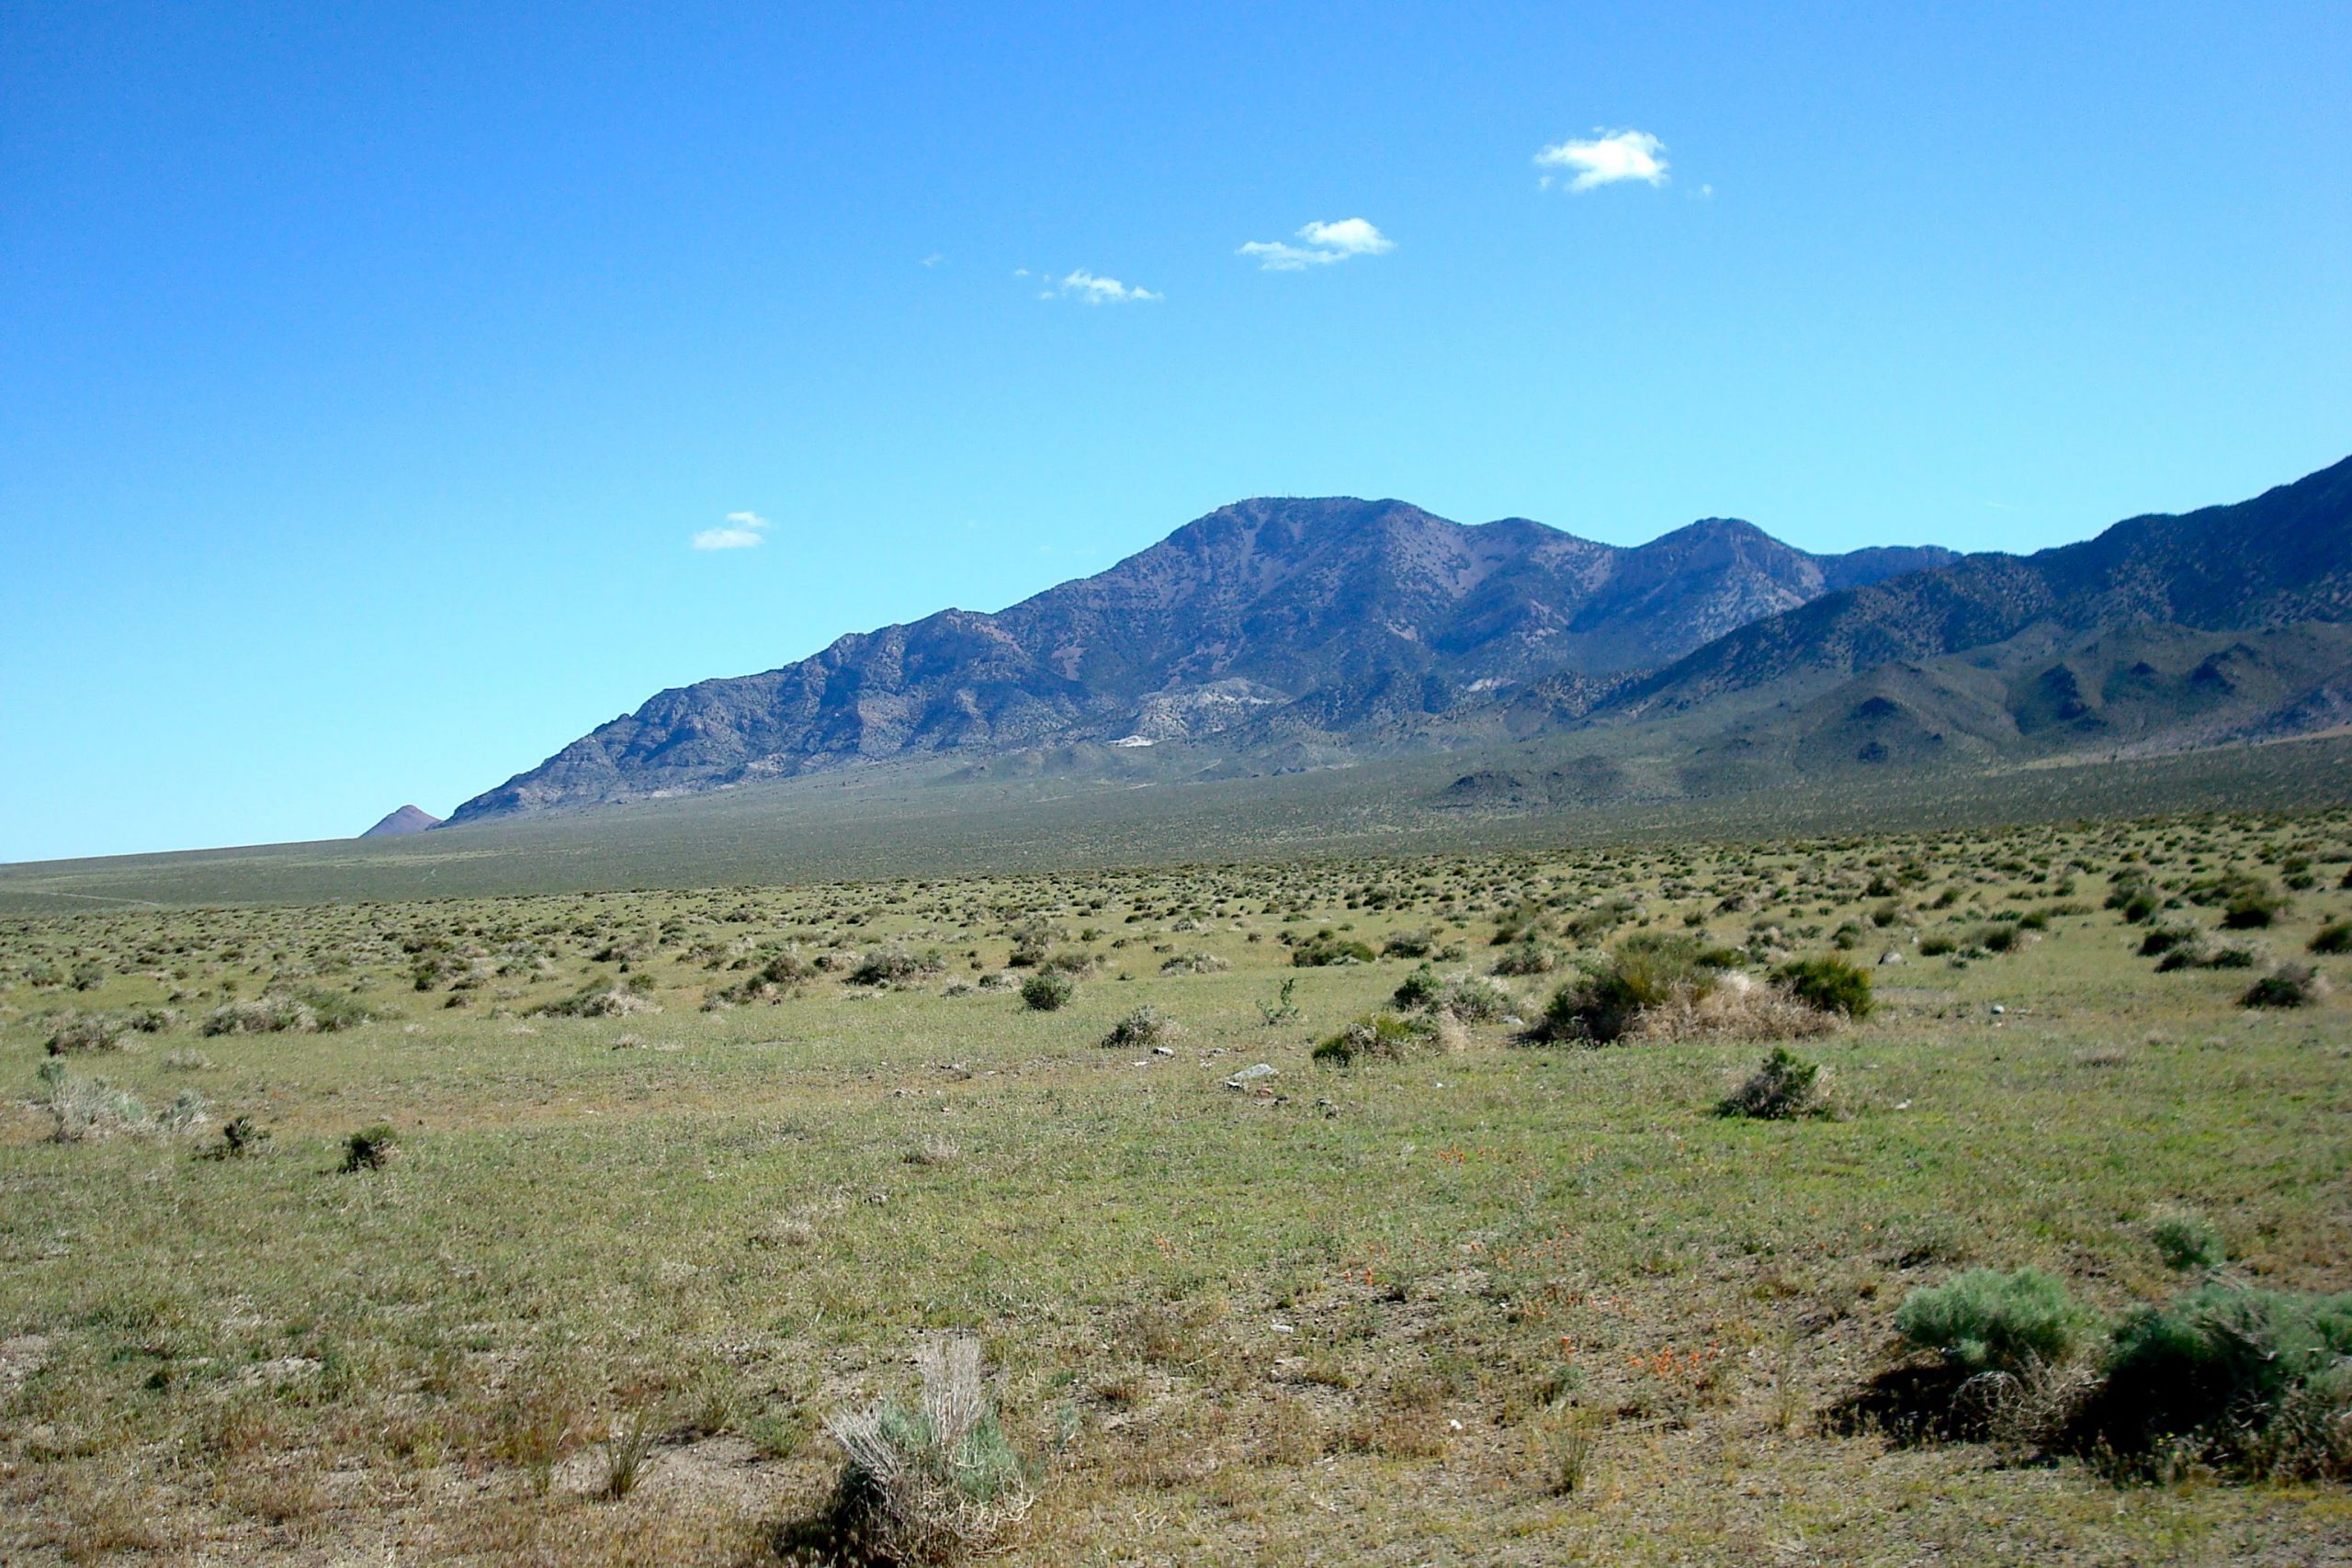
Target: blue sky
(366, 373)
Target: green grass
(1350, 1317)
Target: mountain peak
(1283, 620)
(400, 823)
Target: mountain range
(1276, 633)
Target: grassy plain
(1097, 808)
(1386, 1313)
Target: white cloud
(1606, 158)
(743, 530)
(1326, 244)
(1349, 236)
(1084, 285)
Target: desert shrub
(1466, 997)
(82, 1108)
(370, 1148)
(2205, 953)
(2253, 906)
(1047, 990)
(1473, 999)
(1937, 945)
(1196, 963)
(272, 1014)
(1603, 1003)
(1984, 1320)
(1590, 925)
(2288, 986)
(2259, 1381)
(1421, 988)
(1828, 985)
(1531, 954)
(1998, 938)
(931, 1483)
(1410, 944)
(1325, 949)
(1785, 1085)
(332, 1010)
(1281, 1009)
(1382, 1036)
(183, 1115)
(240, 1136)
(2188, 1241)
(1521, 920)
(1140, 1029)
(309, 1011)
(1031, 943)
(789, 967)
(87, 1032)
(2334, 937)
(2161, 939)
(896, 966)
(598, 999)
(2138, 905)
(86, 1109)
(1734, 1008)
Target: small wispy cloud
(934, 258)
(1606, 158)
(1324, 243)
(1084, 285)
(743, 530)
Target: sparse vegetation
(1204, 1306)
(1381, 1036)
(1785, 1085)
(1828, 985)
(370, 1148)
(2188, 1241)
(1985, 1320)
(2288, 986)
(931, 1481)
(1608, 998)
(1140, 1029)
(2258, 1381)
(1048, 990)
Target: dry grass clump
(896, 966)
(1567, 1439)
(1736, 1007)
(935, 1149)
(307, 1013)
(929, 1485)
(1606, 1000)
(595, 1000)
(105, 1032)
(88, 1110)
(1472, 998)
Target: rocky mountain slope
(1266, 619)
(1277, 633)
(2282, 559)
